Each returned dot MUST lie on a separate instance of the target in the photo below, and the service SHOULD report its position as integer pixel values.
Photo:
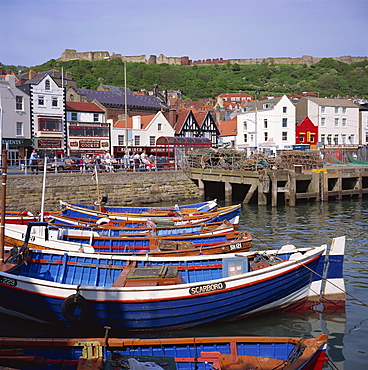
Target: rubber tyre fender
(70, 304)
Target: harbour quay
(282, 187)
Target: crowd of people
(104, 163)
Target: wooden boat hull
(165, 353)
(156, 292)
(91, 242)
(230, 214)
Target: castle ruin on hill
(71, 54)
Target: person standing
(33, 161)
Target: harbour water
(305, 225)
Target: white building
(337, 120)
(87, 131)
(14, 120)
(47, 114)
(364, 123)
(266, 125)
(142, 131)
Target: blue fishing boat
(230, 214)
(201, 353)
(223, 240)
(144, 292)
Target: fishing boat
(230, 213)
(201, 353)
(182, 209)
(117, 228)
(144, 292)
(23, 217)
(42, 235)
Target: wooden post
(292, 188)
(274, 189)
(3, 204)
(228, 192)
(201, 188)
(323, 186)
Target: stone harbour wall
(122, 188)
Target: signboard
(89, 144)
(301, 147)
(48, 144)
(17, 142)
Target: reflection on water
(305, 225)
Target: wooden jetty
(275, 187)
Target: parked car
(59, 163)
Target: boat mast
(3, 203)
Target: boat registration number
(206, 288)
(235, 246)
(8, 281)
(32, 238)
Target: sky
(35, 31)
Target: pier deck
(275, 187)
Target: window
(323, 139)
(251, 137)
(323, 109)
(74, 116)
(96, 117)
(54, 102)
(265, 123)
(49, 124)
(284, 136)
(265, 136)
(343, 110)
(323, 122)
(152, 140)
(245, 138)
(284, 109)
(336, 139)
(137, 140)
(284, 122)
(19, 102)
(121, 140)
(245, 125)
(41, 100)
(336, 122)
(19, 128)
(366, 136)
(343, 138)
(343, 122)
(351, 139)
(329, 139)
(310, 137)
(336, 110)
(301, 138)
(90, 131)
(159, 127)
(47, 85)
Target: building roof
(228, 128)
(145, 121)
(83, 107)
(331, 102)
(117, 97)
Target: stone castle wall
(122, 188)
(71, 54)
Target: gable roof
(229, 128)
(145, 121)
(82, 107)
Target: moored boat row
(143, 290)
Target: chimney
(136, 122)
(172, 117)
(31, 73)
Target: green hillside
(327, 77)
